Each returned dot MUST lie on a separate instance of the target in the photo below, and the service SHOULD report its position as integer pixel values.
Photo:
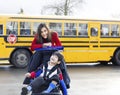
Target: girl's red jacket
(55, 42)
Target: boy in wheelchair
(48, 78)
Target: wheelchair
(61, 87)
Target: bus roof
(56, 17)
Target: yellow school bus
(84, 40)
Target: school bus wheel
(116, 57)
(20, 58)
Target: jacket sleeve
(33, 74)
(56, 39)
(36, 73)
(35, 45)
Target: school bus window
(56, 27)
(70, 29)
(115, 30)
(94, 31)
(25, 28)
(35, 26)
(1, 29)
(104, 30)
(12, 28)
(83, 30)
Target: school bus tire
(116, 57)
(20, 58)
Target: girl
(44, 38)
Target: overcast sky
(91, 8)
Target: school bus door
(94, 40)
(2, 47)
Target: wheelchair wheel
(52, 93)
(56, 91)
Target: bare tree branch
(65, 7)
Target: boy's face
(54, 59)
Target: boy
(49, 77)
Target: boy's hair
(59, 55)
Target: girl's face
(54, 59)
(44, 32)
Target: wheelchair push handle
(50, 48)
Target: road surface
(85, 80)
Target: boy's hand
(28, 75)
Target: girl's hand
(47, 44)
(28, 75)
